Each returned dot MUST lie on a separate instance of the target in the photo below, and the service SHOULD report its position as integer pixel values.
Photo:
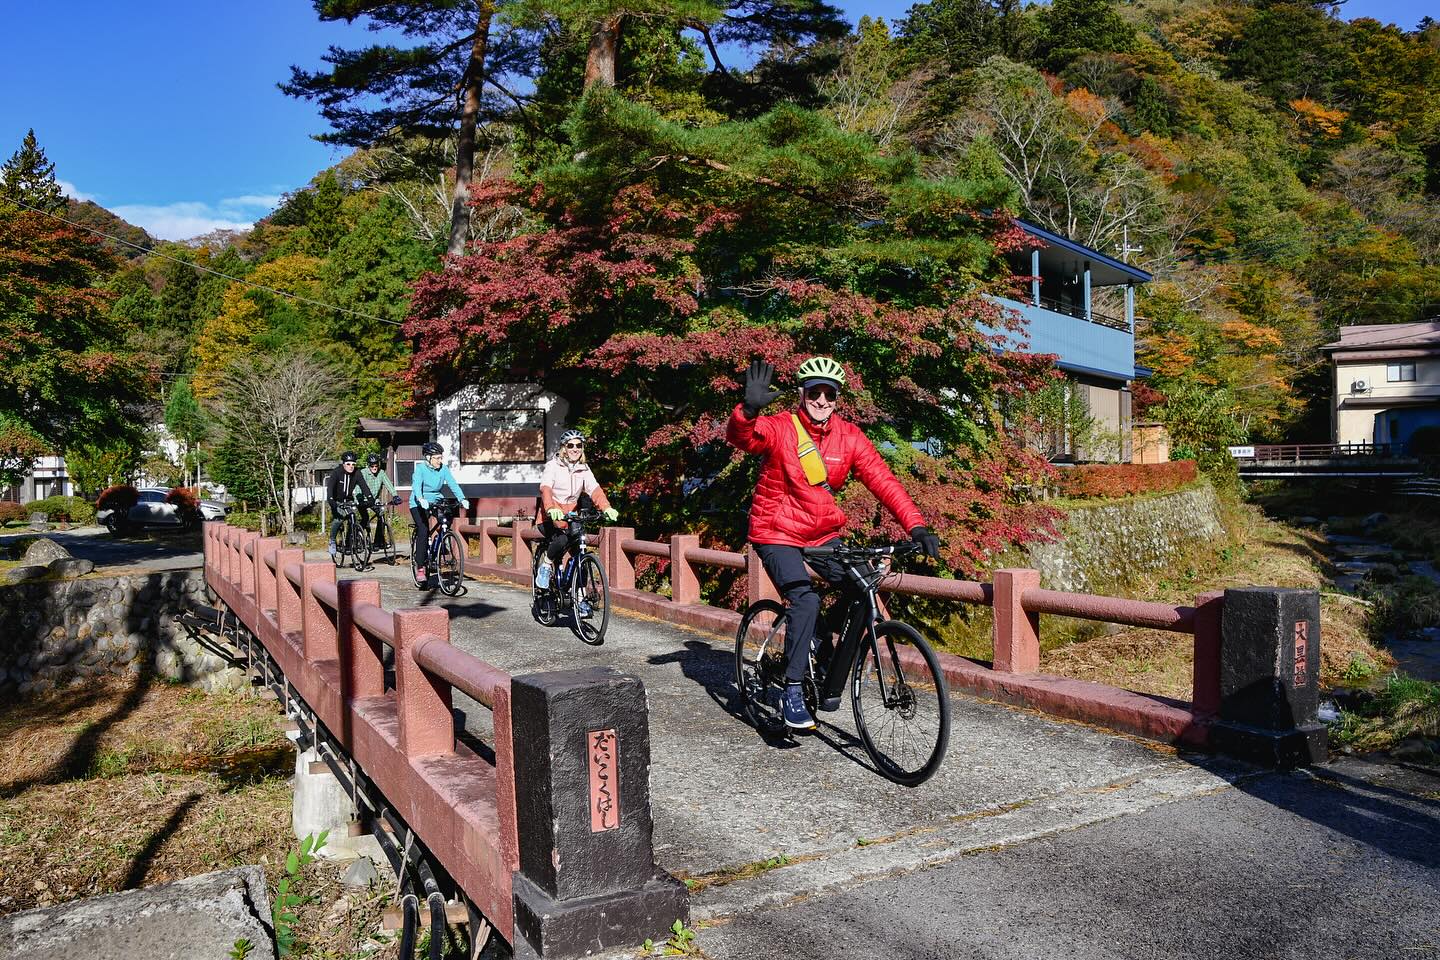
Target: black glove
(929, 543)
(395, 501)
(758, 394)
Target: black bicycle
(382, 545)
(352, 543)
(442, 554)
(577, 585)
(897, 691)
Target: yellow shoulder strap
(810, 457)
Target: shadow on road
(712, 667)
(1400, 824)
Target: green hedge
(63, 509)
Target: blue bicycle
(577, 586)
(443, 557)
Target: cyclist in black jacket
(340, 484)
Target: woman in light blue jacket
(430, 481)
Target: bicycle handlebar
(846, 551)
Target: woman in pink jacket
(567, 483)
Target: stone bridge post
(1269, 677)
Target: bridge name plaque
(603, 747)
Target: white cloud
(68, 188)
(186, 219)
(251, 201)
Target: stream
(1355, 557)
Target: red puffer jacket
(787, 509)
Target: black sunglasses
(820, 390)
(574, 446)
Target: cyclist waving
(809, 454)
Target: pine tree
(381, 94)
(29, 177)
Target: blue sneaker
(797, 716)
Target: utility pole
(1124, 245)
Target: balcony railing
(1070, 310)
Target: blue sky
(167, 112)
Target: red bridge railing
(510, 830)
(1015, 596)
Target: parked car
(154, 508)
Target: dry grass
(119, 785)
(1256, 551)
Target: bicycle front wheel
(590, 611)
(340, 555)
(760, 664)
(450, 564)
(902, 707)
(359, 547)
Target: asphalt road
(1278, 866)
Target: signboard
(1242, 453)
(603, 747)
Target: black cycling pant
(557, 541)
(365, 508)
(421, 518)
(786, 567)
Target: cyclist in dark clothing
(342, 483)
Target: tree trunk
(604, 49)
(465, 144)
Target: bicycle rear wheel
(760, 664)
(340, 555)
(543, 603)
(386, 547)
(590, 611)
(902, 707)
(450, 564)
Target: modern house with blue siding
(1081, 307)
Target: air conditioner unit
(1359, 386)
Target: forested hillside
(658, 191)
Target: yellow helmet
(820, 370)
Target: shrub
(9, 510)
(186, 498)
(63, 509)
(120, 497)
(1107, 481)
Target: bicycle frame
(565, 573)
(864, 609)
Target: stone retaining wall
(1105, 545)
(53, 632)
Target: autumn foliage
(663, 259)
(120, 497)
(1110, 481)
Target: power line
(145, 251)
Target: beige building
(1386, 382)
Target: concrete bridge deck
(725, 800)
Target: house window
(404, 473)
(1399, 372)
(502, 436)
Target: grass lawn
(115, 785)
